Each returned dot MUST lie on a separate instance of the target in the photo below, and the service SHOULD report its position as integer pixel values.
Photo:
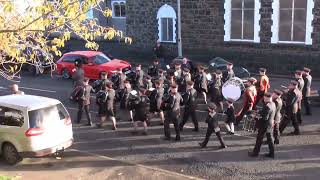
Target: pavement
(107, 154)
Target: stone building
(281, 35)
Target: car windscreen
(38, 118)
(101, 59)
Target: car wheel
(65, 74)
(10, 154)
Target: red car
(94, 63)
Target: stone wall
(203, 35)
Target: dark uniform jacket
(216, 90)
(141, 108)
(212, 121)
(98, 84)
(153, 70)
(278, 102)
(156, 99)
(182, 82)
(292, 101)
(172, 105)
(124, 98)
(84, 94)
(189, 100)
(78, 77)
(231, 118)
(267, 113)
(227, 75)
(139, 78)
(307, 86)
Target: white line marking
(138, 165)
(34, 89)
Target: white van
(32, 126)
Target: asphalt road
(297, 157)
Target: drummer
(229, 74)
(250, 96)
(216, 90)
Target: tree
(26, 26)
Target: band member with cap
(124, 101)
(15, 89)
(78, 75)
(187, 64)
(276, 97)
(100, 83)
(263, 85)
(230, 116)
(291, 104)
(138, 77)
(141, 111)
(84, 99)
(120, 78)
(190, 106)
(182, 82)
(215, 90)
(229, 74)
(201, 82)
(299, 79)
(105, 100)
(307, 90)
(249, 100)
(156, 100)
(265, 126)
(148, 83)
(172, 112)
(154, 69)
(213, 126)
(177, 69)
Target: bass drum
(232, 89)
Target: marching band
(167, 92)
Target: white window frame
(113, 10)
(167, 11)
(227, 24)
(275, 25)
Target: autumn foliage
(26, 27)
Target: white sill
(115, 17)
(168, 41)
(290, 42)
(242, 40)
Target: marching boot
(222, 146)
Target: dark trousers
(306, 102)
(259, 98)
(285, 121)
(276, 131)
(186, 114)
(243, 112)
(167, 121)
(86, 108)
(299, 116)
(261, 133)
(210, 130)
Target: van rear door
(49, 127)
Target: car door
(92, 69)
(12, 127)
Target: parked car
(33, 126)
(94, 63)
(219, 63)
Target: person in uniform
(276, 97)
(83, 97)
(148, 83)
(307, 90)
(201, 83)
(213, 126)
(186, 64)
(124, 102)
(265, 126)
(139, 77)
(250, 96)
(161, 76)
(190, 106)
(182, 82)
(140, 111)
(263, 85)
(177, 70)
(299, 79)
(216, 90)
(156, 100)
(106, 107)
(172, 112)
(78, 75)
(231, 118)
(100, 83)
(15, 90)
(229, 74)
(154, 69)
(291, 104)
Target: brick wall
(203, 32)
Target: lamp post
(179, 29)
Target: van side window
(11, 117)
